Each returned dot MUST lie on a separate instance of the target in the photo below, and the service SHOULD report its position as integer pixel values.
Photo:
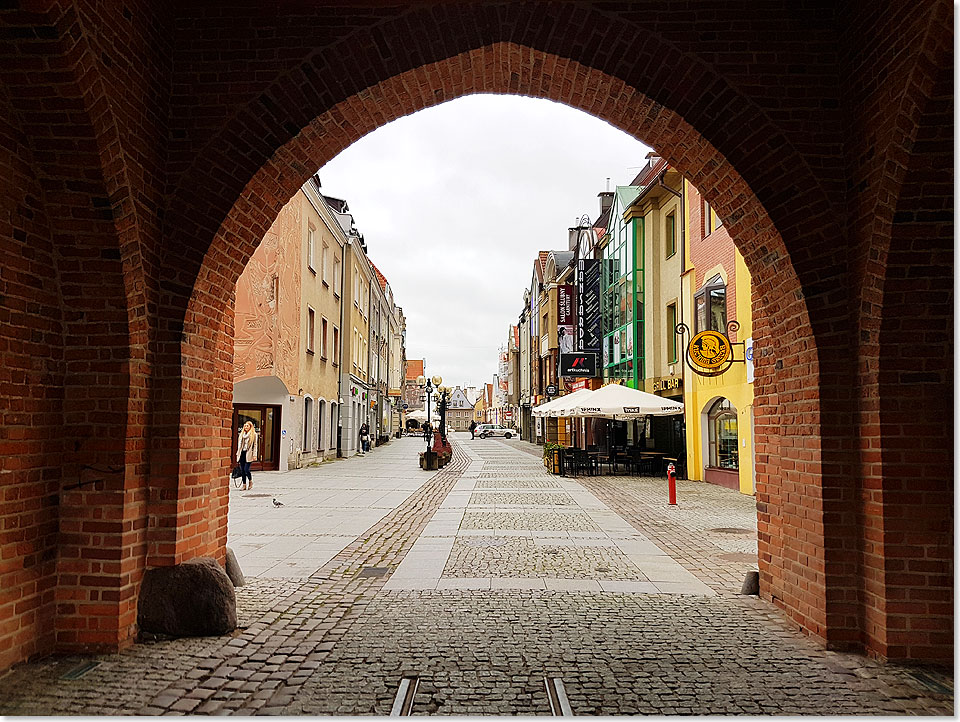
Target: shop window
(722, 424)
(710, 306)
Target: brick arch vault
(205, 120)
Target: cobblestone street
(481, 580)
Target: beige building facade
(287, 336)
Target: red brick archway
(187, 128)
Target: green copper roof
(626, 196)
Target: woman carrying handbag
(246, 453)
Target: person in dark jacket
(364, 438)
(473, 429)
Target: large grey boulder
(233, 569)
(193, 599)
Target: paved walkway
(481, 580)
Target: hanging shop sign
(710, 353)
(578, 364)
(565, 319)
(589, 334)
(551, 390)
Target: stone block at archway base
(193, 599)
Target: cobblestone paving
(686, 531)
(260, 669)
(525, 498)
(522, 557)
(514, 483)
(538, 521)
(616, 654)
(338, 642)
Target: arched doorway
(721, 453)
(798, 152)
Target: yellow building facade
(719, 409)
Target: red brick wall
(146, 152)
(707, 251)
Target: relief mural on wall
(267, 320)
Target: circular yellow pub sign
(710, 349)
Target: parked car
(487, 430)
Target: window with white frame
(320, 414)
(324, 261)
(311, 319)
(336, 276)
(311, 242)
(307, 422)
(336, 346)
(323, 338)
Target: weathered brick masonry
(146, 147)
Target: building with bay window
(716, 296)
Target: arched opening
(721, 450)
(745, 215)
(159, 208)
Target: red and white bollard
(672, 483)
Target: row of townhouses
(629, 292)
(319, 340)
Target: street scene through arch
(844, 551)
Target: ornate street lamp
(444, 398)
(425, 384)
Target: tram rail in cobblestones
(557, 694)
(403, 704)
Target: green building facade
(621, 290)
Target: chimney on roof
(574, 235)
(606, 200)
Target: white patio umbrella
(621, 402)
(563, 405)
(549, 408)
(418, 415)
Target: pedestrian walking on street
(473, 429)
(247, 453)
(364, 438)
(426, 430)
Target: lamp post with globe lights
(429, 385)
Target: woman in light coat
(247, 452)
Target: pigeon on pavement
(277, 503)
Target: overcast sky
(456, 201)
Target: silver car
(487, 430)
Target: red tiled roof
(380, 277)
(544, 255)
(414, 369)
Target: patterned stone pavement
(475, 580)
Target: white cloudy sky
(456, 201)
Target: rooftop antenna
(608, 185)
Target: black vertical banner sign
(588, 305)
